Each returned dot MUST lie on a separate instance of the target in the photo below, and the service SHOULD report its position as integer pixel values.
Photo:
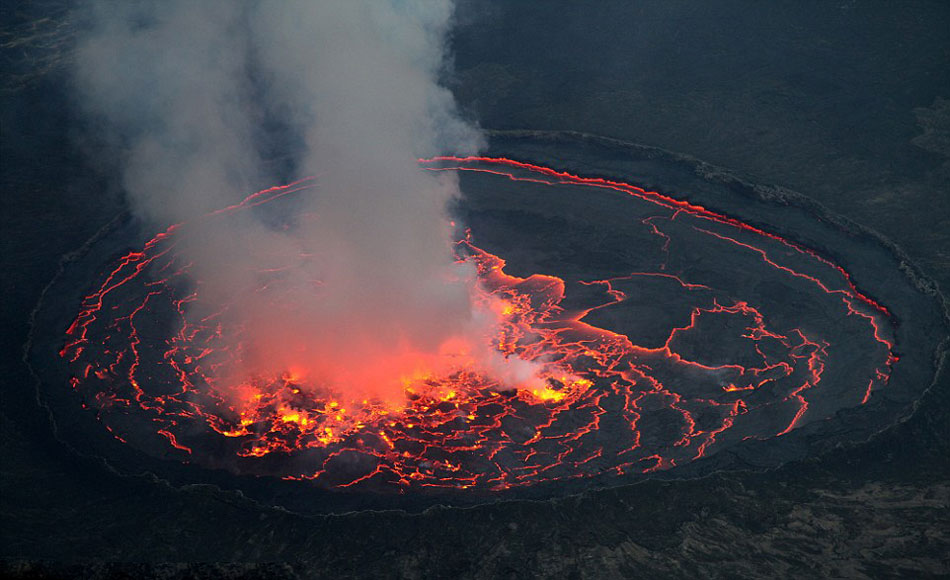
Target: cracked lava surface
(643, 371)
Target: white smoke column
(364, 75)
(378, 297)
(167, 80)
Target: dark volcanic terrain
(845, 102)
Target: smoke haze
(363, 293)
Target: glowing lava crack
(732, 368)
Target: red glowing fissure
(605, 405)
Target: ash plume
(364, 293)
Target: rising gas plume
(364, 295)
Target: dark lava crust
(580, 224)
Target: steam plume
(373, 294)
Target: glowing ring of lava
(612, 406)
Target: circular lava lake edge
(920, 310)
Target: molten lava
(575, 401)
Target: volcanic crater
(686, 320)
